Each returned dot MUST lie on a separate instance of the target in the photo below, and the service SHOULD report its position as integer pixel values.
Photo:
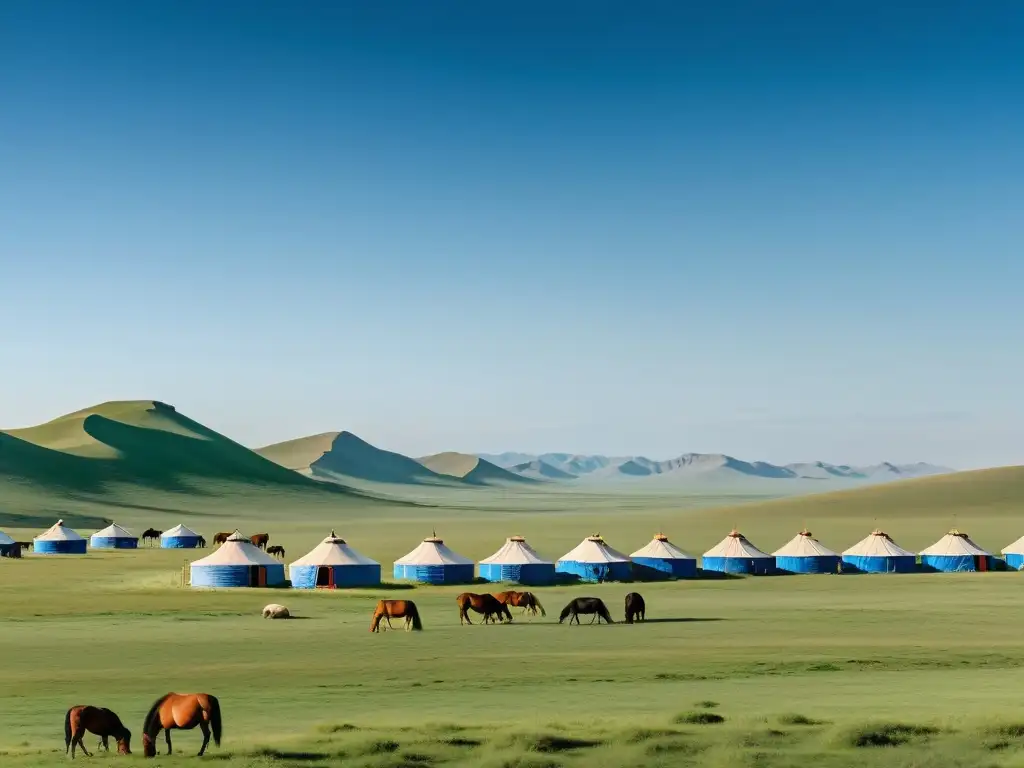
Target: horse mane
(153, 713)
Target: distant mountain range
(708, 467)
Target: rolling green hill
(470, 469)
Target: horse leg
(167, 733)
(104, 743)
(206, 735)
(79, 739)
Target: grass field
(834, 670)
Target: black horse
(586, 605)
(635, 607)
(150, 535)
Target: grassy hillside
(470, 469)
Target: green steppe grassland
(894, 670)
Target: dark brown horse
(396, 609)
(488, 605)
(183, 711)
(14, 552)
(525, 600)
(98, 720)
(201, 544)
(586, 606)
(260, 540)
(150, 535)
(220, 538)
(277, 551)
(635, 607)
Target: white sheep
(275, 611)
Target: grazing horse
(220, 538)
(14, 552)
(184, 711)
(586, 605)
(277, 551)
(150, 535)
(98, 720)
(635, 607)
(201, 543)
(396, 609)
(260, 540)
(488, 605)
(25, 545)
(525, 600)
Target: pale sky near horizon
(649, 229)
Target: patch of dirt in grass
(699, 718)
(888, 734)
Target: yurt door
(325, 577)
(257, 576)
(981, 563)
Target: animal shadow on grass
(394, 587)
(298, 757)
(719, 575)
(681, 620)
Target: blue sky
(783, 234)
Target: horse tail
(536, 602)
(414, 613)
(67, 731)
(215, 721)
(154, 714)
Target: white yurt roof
(59, 532)
(735, 544)
(515, 551)
(237, 550)
(179, 530)
(334, 551)
(113, 531)
(432, 551)
(877, 544)
(660, 547)
(593, 549)
(804, 545)
(5, 540)
(954, 543)
(1017, 548)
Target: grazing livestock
(201, 543)
(183, 711)
(24, 545)
(587, 606)
(220, 538)
(277, 551)
(525, 600)
(99, 721)
(151, 535)
(260, 540)
(488, 605)
(276, 611)
(635, 607)
(396, 609)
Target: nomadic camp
(663, 559)
(433, 563)
(956, 552)
(517, 562)
(877, 553)
(59, 540)
(594, 561)
(237, 563)
(734, 554)
(805, 554)
(332, 564)
(113, 537)
(179, 537)
(7, 545)
(1013, 554)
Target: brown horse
(525, 600)
(396, 609)
(276, 550)
(150, 535)
(260, 540)
(184, 711)
(98, 720)
(220, 538)
(488, 605)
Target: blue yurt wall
(333, 564)
(113, 537)
(878, 553)
(179, 537)
(59, 540)
(955, 552)
(237, 563)
(594, 561)
(661, 559)
(434, 563)
(516, 562)
(805, 554)
(734, 554)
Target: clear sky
(784, 231)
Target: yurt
(1014, 554)
(805, 554)
(237, 563)
(663, 559)
(59, 540)
(113, 537)
(877, 553)
(7, 545)
(593, 560)
(331, 564)
(179, 537)
(518, 563)
(433, 563)
(734, 554)
(956, 552)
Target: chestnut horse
(220, 538)
(150, 535)
(260, 540)
(396, 609)
(98, 720)
(184, 711)
(525, 600)
(488, 605)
